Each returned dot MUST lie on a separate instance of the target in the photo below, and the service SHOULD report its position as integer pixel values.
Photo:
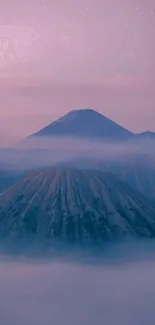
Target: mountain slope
(138, 171)
(138, 174)
(85, 123)
(9, 178)
(147, 135)
(75, 206)
(143, 137)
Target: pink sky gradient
(56, 56)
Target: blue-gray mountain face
(75, 206)
(90, 124)
(81, 205)
(138, 171)
(85, 123)
(148, 135)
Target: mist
(64, 291)
(44, 151)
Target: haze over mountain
(69, 141)
(137, 170)
(75, 206)
(85, 123)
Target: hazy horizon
(59, 56)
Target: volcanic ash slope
(75, 206)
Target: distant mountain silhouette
(85, 123)
(147, 135)
(75, 206)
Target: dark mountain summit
(85, 123)
(75, 206)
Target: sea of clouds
(65, 292)
(44, 151)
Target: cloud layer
(81, 294)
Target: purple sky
(56, 56)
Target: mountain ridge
(90, 124)
(75, 206)
(86, 123)
(146, 135)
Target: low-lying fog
(34, 153)
(60, 292)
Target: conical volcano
(75, 206)
(85, 123)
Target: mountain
(9, 177)
(85, 123)
(136, 170)
(76, 206)
(147, 135)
